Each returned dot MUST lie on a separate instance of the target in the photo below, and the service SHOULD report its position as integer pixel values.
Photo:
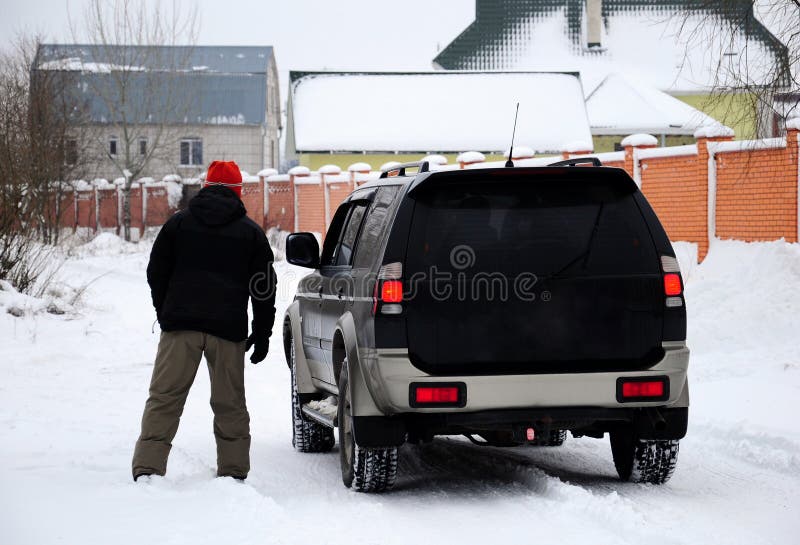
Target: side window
(344, 251)
(333, 235)
(375, 226)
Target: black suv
(508, 305)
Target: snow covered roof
(624, 105)
(639, 37)
(421, 112)
(219, 85)
(199, 58)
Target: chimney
(594, 23)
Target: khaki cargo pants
(177, 361)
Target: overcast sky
(306, 34)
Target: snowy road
(72, 389)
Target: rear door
(337, 281)
(531, 275)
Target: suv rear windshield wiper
(585, 254)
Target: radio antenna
(510, 163)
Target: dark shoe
(136, 477)
(237, 477)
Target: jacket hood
(216, 205)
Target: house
(640, 38)
(622, 105)
(196, 104)
(376, 117)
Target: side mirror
(302, 249)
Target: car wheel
(307, 435)
(363, 469)
(644, 460)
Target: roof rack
(423, 166)
(578, 161)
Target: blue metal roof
(204, 84)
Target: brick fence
(715, 188)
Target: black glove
(262, 346)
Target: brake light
(439, 394)
(672, 284)
(642, 389)
(436, 394)
(392, 291)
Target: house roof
(434, 111)
(625, 105)
(216, 85)
(640, 37)
(199, 59)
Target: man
(205, 264)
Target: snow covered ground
(72, 388)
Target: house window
(191, 152)
(143, 146)
(112, 146)
(70, 152)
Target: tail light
(388, 294)
(642, 389)
(673, 284)
(427, 394)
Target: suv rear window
(590, 294)
(539, 227)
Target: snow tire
(644, 460)
(556, 438)
(307, 435)
(363, 469)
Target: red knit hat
(226, 174)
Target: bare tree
(140, 54)
(755, 47)
(39, 151)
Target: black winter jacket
(206, 262)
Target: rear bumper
(389, 373)
(645, 423)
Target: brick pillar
(707, 178)
(262, 177)
(358, 168)
(328, 172)
(793, 149)
(297, 174)
(631, 144)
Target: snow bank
(637, 140)
(742, 300)
(793, 123)
(267, 172)
(686, 252)
(299, 171)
